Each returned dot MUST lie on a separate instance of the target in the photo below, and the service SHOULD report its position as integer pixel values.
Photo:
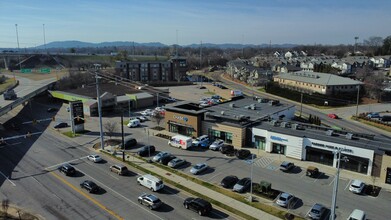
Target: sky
(308, 22)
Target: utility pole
(251, 179)
(358, 98)
(201, 62)
(17, 40)
(44, 37)
(102, 146)
(157, 99)
(122, 135)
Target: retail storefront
(310, 149)
(229, 133)
(183, 123)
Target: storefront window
(225, 136)
(320, 156)
(356, 164)
(260, 142)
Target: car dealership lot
(308, 190)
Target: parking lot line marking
(70, 161)
(119, 194)
(213, 177)
(96, 202)
(331, 182)
(317, 178)
(303, 175)
(6, 177)
(347, 185)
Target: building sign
(275, 138)
(332, 147)
(180, 118)
(77, 112)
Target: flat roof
(185, 107)
(378, 143)
(90, 91)
(317, 78)
(243, 107)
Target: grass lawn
(8, 83)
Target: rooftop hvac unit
(247, 107)
(253, 107)
(284, 124)
(349, 136)
(294, 126)
(273, 122)
(329, 132)
(222, 112)
(232, 105)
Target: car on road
(52, 109)
(149, 200)
(287, 166)
(229, 181)
(94, 158)
(177, 162)
(146, 150)
(199, 168)
(67, 169)
(333, 116)
(357, 186)
(90, 186)
(317, 211)
(166, 160)
(242, 154)
(216, 145)
(242, 185)
(160, 155)
(285, 199)
(202, 207)
(61, 125)
(119, 169)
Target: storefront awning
(179, 124)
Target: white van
(151, 182)
(133, 123)
(235, 93)
(180, 141)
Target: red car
(333, 116)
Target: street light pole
(99, 109)
(358, 98)
(122, 134)
(44, 37)
(251, 179)
(337, 154)
(17, 40)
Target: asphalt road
(29, 179)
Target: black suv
(146, 150)
(130, 142)
(242, 154)
(67, 169)
(90, 186)
(167, 159)
(287, 166)
(227, 149)
(198, 205)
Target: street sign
(77, 112)
(25, 70)
(45, 70)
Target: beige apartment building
(323, 83)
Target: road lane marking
(119, 194)
(6, 177)
(96, 202)
(70, 161)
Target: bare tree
(110, 127)
(5, 206)
(157, 117)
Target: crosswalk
(263, 162)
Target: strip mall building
(267, 126)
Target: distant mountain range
(80, 44)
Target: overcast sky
(209, 21)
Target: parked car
(357, 186)
(119, 169)
(312, 171)
(90, 186)
(333, 116)
(198, 168)
(216, 145)
(159, 156)
(146, 112)
(286, 166)
(149, 200)
(357, 215)
(129, 142)
(146, 150)
(94, 158)
(373, 115)
(317, 211)
(133, 123)
(242, 185)
(229, 181)
(177, 162)
(61, 125)
(67, 169)
(201, 140)
(202, 207)
(142, 118)
(227, 149)
(242, 154)
(167, 159)
(285, 199)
